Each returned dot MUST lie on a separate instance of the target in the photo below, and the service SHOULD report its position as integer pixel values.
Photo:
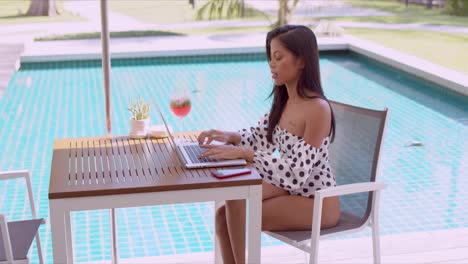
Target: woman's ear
(300, 63)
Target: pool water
(44, 101)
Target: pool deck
(440, 246)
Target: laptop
(189, 153)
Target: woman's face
(284, 66)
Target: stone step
(9, 56)
(11, 48)
(9, 67)
(12, 64)
(4, 83)
(8, 59)
(6, 69)
(6, 72)
(9, 64)
(5, 75)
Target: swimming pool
(64, 99)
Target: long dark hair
(301, 41)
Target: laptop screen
(171, 139)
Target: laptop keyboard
(194, 152)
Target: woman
(300, 125)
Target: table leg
(58, 230)
(115, 253)
(68, 237)
(254, 224)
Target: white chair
(16, 236)
(354, 157)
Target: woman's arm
(255, 137)
(206, 137)
(234, 138)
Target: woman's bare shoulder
(317, 116)
(316, 106)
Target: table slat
(117, 164)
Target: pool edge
(421, 68)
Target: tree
(219, 9)
(42, 8)
(285, 11)
(429, 4)
(457, 7)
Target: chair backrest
(21, 235)
(354, 153)
(16, 237)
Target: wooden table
(118, 172)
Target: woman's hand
(221, 136)
(227, 152)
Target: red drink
(181, 107)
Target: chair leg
(315, 236)
(39, 248)
(375, 228)
(376, 241)
(313, 256)
(307, 257)
(6, 239)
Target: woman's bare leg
(292, 212)
(223, 236)
(269, 191)
(230, 225)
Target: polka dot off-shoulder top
(300, 169)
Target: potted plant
(139, 121)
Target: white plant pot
(139, 128)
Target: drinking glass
(180, 104)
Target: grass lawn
(448, 50)
(120, 34)
(166, 11)
(402, 14)
(157, 33)
(226, 30)
(13, 12)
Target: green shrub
(457, 7)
